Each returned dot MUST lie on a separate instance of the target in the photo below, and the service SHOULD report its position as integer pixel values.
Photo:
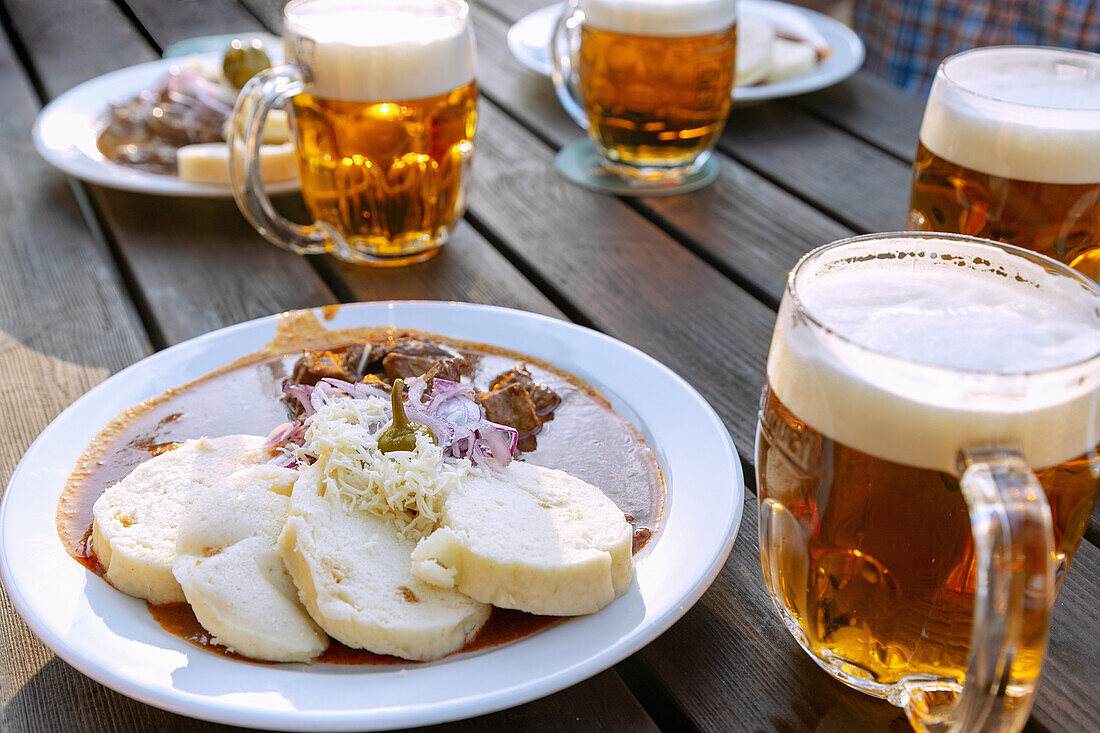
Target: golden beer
(897, 361)
(1059, 220)
(655, 101)
(383, 111)
(1010, 150)
(873, 560)
(390, 176)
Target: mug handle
(564, 47)
(1015, 576)
(264, 91)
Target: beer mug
(383, 109)
(1010, 150)
(926, 461)
(649, 79)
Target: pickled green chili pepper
(401, 434)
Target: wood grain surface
(693, 280)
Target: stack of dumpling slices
(764, 57)
(273, 565)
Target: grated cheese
(403, 488)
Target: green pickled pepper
(401, 434)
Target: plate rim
(72, 160)
(824, 75)
(184, 703)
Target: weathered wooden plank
(754, 230)
(65, 324)
(872, 109)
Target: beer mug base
(375, 251)
(652, 168)
(581, 163)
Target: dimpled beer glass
(649, 79)
(926, 465)
(383, 107)
(1010, 150)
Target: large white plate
(113, 639)
(66, 130)
(529, 41)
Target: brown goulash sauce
(585, 437)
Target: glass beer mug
(649, 79)
(383, 108)
(1010, 150)
(927, 462)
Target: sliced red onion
(452, 414)
(301, 392)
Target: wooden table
(92, 280)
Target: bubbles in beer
(661, 17)
(1030, 114)
(379, 50)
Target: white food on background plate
(754, 51)
(790, 59)
(209, 163)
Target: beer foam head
(661, 17)
(1018, 112)
(380, 50)
(911, 348)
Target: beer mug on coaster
(1010, 150)
(649, 79)
(383, 109)
(926, 459)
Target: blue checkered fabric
(907, 39)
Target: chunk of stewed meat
(510, 406)
(362, 356)
(313, 366)
(450, 369)
(544, 398)
(416, 347)
(403, 366)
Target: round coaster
(582, 164)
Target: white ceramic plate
(66, 130)
(113, 639)
(529, 41)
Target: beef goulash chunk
(313, 366)
(544, 398)
(511, 406)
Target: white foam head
(380, 50)
(661, 17)
(1020, 112)
(911, 347)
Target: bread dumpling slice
(135, 522)
(232, 575)
(534, 539)
(353, 575)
